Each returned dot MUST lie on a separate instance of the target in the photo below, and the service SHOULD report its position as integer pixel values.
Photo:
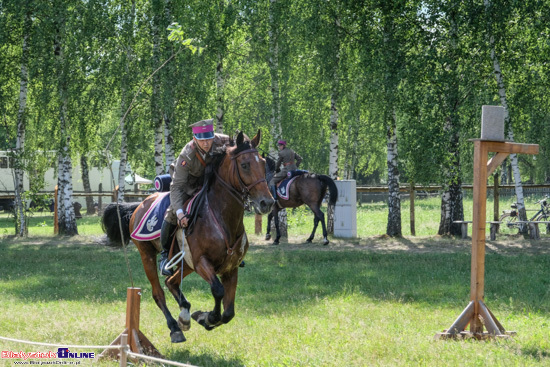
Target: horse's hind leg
(315, 224)
(319, 216)
(173, 283)
(149, 259)
(211, 319)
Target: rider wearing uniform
(187, 178)
(290, 161)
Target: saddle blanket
(150, 225)
(283, 189)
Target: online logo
(66, 353)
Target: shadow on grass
(281, 278)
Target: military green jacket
(289, 159)
(188, 172)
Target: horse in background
(215, 244)
(308, 189)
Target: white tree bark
(20, 206)
(394, 199)
(66, 216)
(220, 85)
(504, 102)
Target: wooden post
(496, 196)
(411, 198)
(115, 194)
(99, 199)
(257, 224)
(477, 314)
(137, 342)
(55, 214)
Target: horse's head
(245, 172)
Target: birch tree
(489, 12)
(21, 223)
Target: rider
(290, 161)
(187, 178)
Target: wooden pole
(257, 224)
(137, 342)
(55, 214)
(411, 198)
(496, 197)
(477, 314)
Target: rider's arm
(178, 187)
(298, 159)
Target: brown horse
(309, 189)
(217, 242)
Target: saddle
(283, 187)
(150, 225)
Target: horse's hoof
(267, 237)
(184, 320)
(275, 243)
(325, 242)
(177, 337)
(309, 240)
(202, 319)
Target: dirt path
(506, 245)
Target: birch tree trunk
(168, 92)
(86, 183)
(66, 216)
(124, 91)
(156, 113)
(504, 102)
(220, 85)
(394, 198)
(334, 104)
(276, 127)
(20, 206)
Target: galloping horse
(309, 189)
(217, 242)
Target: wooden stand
(137, 342)
(477, 314)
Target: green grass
(368, 304)
(295, 307)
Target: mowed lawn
(368, 301)
(297, 305)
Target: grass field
(369, 301)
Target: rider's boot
(274, 191)
(166, 240)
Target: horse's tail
(110, 222)
(333, 190)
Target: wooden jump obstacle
(477, 314)
(137, 342)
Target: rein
(240, 195)
(243, 192)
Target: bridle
(240, 192)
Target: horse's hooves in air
(184, 320)
(267, 237)
(202, 319)
(177, 337)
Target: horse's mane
(210, 176)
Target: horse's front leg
(229, 281)
(276, 219)
(173, 285)
(211, 319)
(268, 233)
(149, 260)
